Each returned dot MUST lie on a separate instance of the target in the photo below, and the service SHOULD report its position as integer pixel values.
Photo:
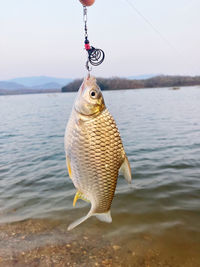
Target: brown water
(156, 221)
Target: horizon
(108, 77)
(146, 38)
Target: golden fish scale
(96, 153)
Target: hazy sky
(45, 37)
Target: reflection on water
(159, 212)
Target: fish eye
(93, 94)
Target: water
(160, 212)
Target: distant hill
(28, 85)
(52, 85)
(122, 83)
(40, 80)
(10, 86)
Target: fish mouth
(83, 86)
(88, 81)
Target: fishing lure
(95, 55)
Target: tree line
(123, 83)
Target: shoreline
(38, 242)
(5, 93)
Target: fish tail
(104, 217)
(79, 221)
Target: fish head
(90, 100)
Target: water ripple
(160, 131)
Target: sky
(46, 37)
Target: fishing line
(152, 26)
(178, 51)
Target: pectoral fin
(79, 195)
(69, 167)
(126, 170)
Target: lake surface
(156, 220)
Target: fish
(94, 152)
